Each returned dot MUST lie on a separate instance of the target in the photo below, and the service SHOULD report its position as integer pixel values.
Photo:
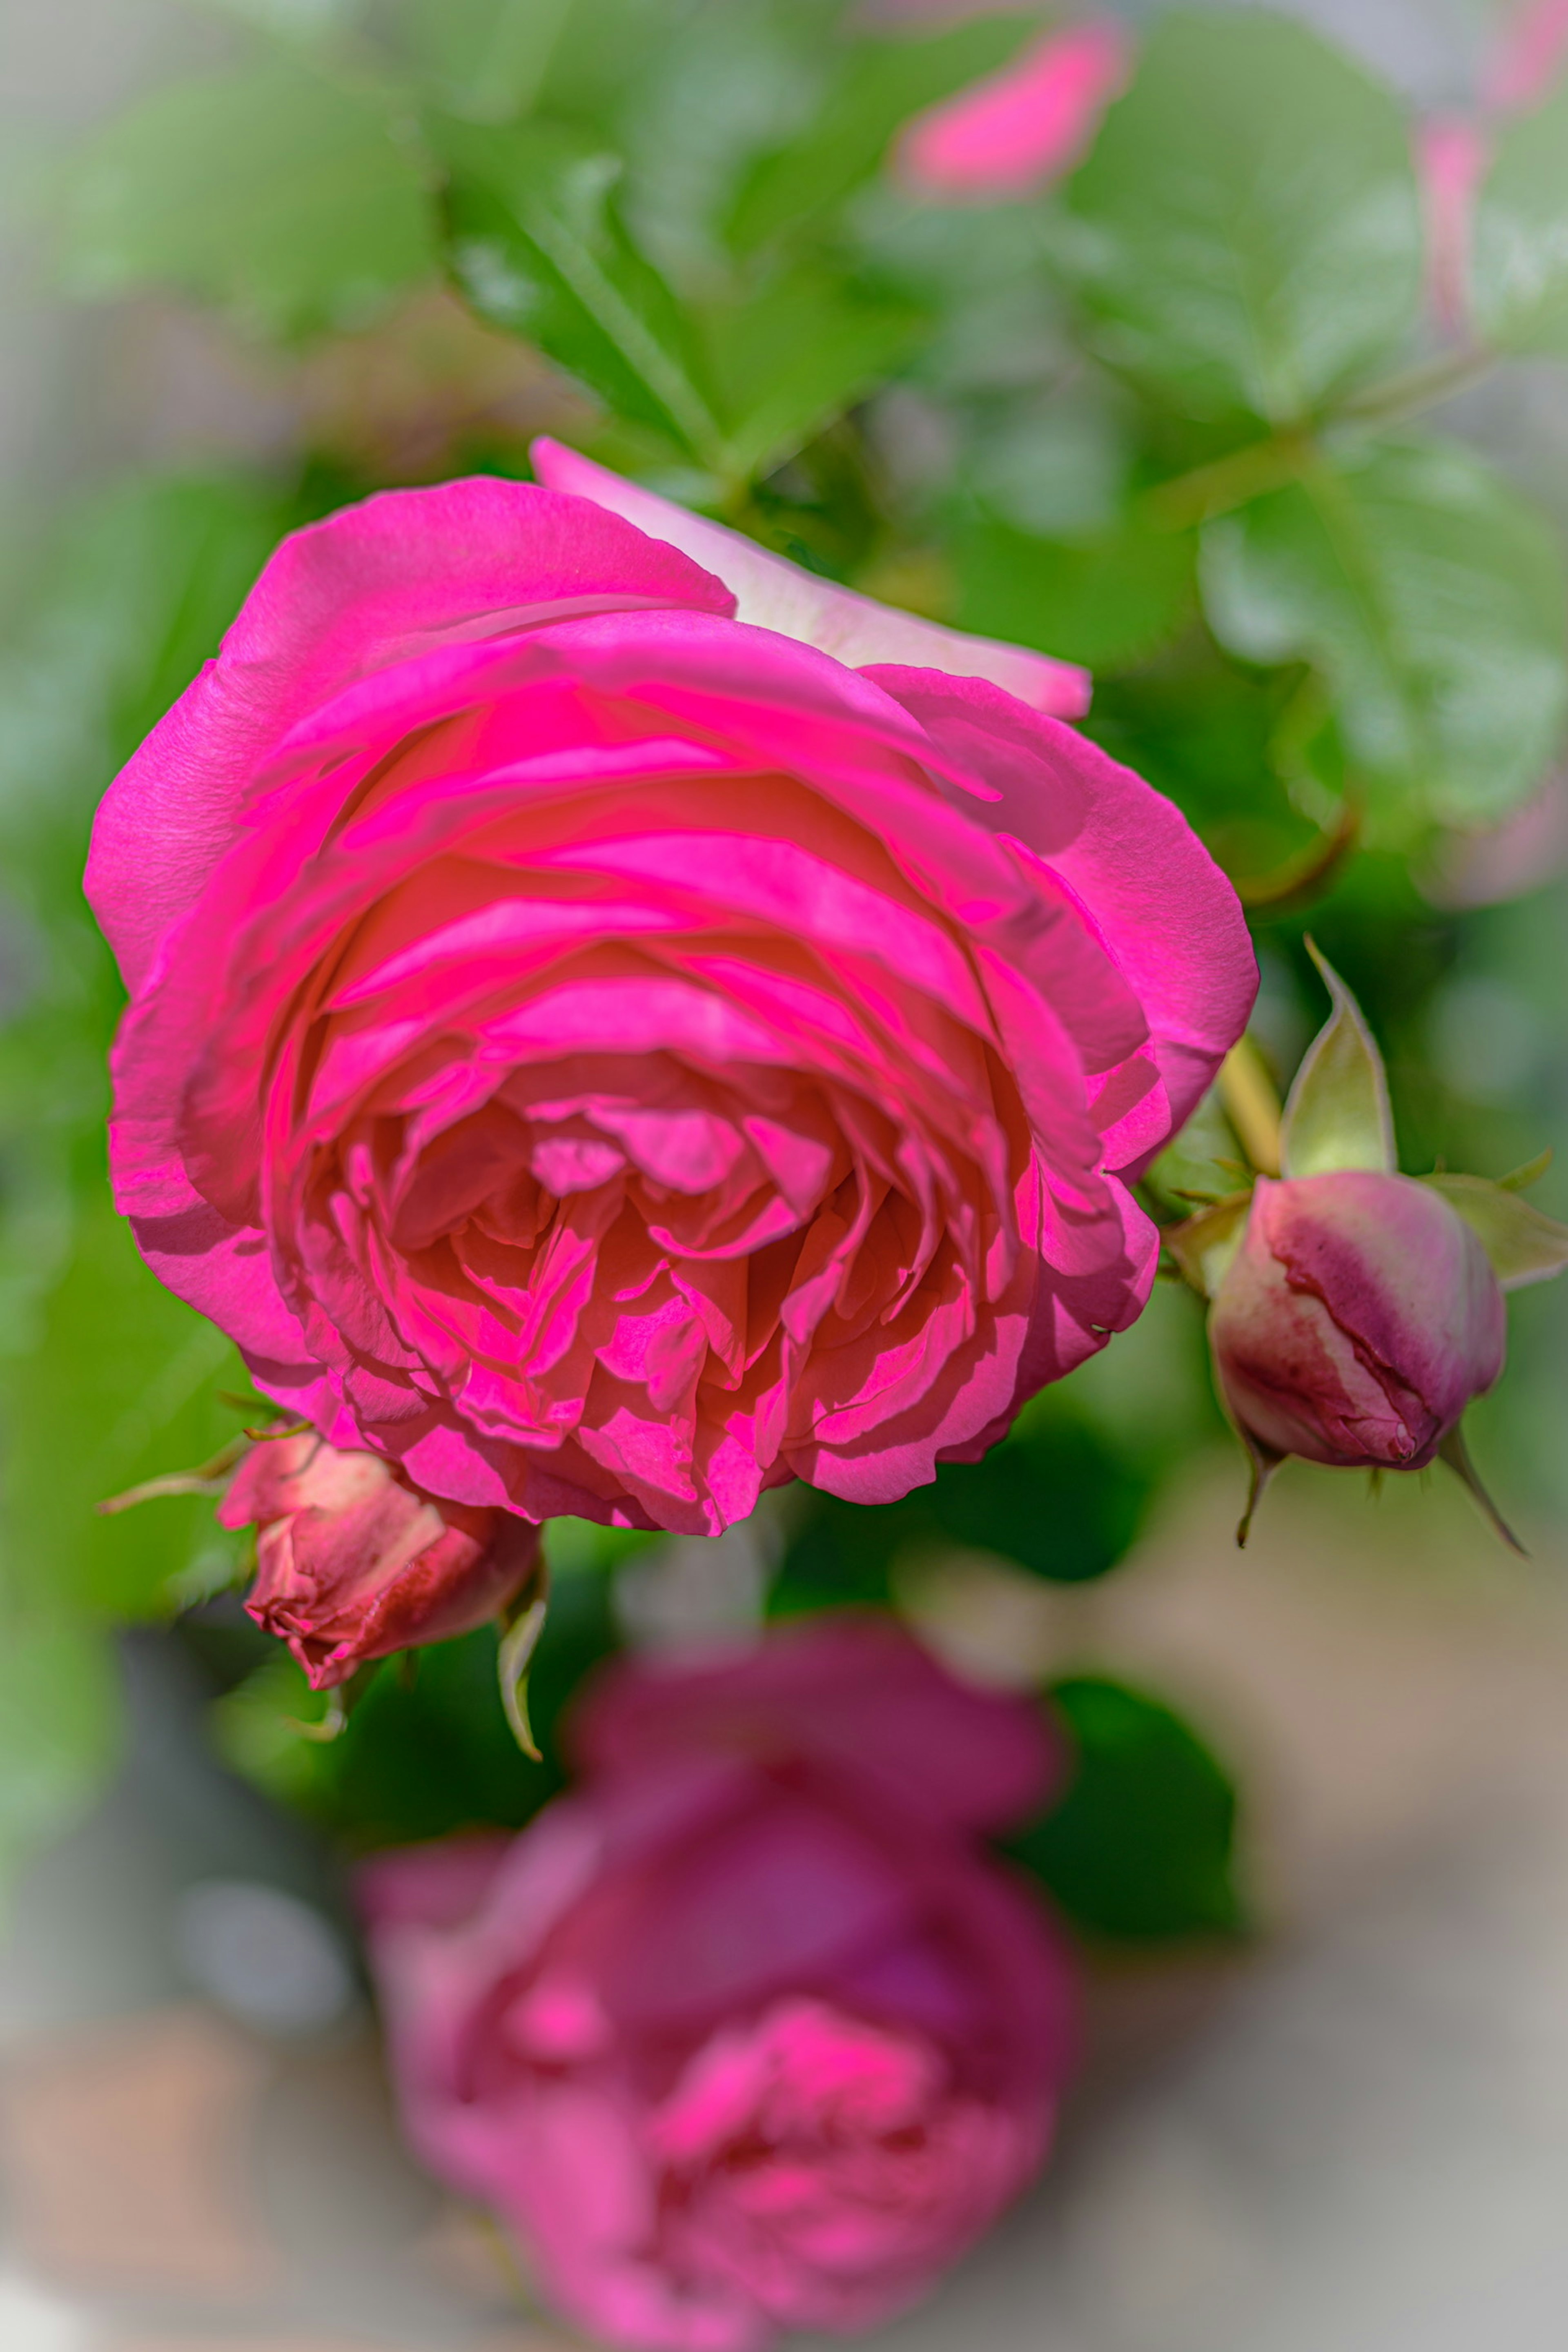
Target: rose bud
(1355, 1311)
(744, 2034)
(353, 1563)
(1357, 1319)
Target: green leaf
(59, 1729)
(1246, 234)
(540, 249)
(1523, 1245)
(285, 197)
(1337, 1113)
(123, 1387)
(488, 58)
(1142, 1844)
(1056, 1496)
(1203, 1164)
(876, 88)
(1107, 602)
(1430, 598)
(1518, 270)
(785, 362)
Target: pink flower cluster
(745, 2033)
(608, 1055)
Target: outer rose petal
(777, 594)
(398, 575)
(1148, 890)
(1024, 127)
(857, 1693)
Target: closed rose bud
(1357, 1319)
(352, 1563)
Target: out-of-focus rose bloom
(736, 2038)
(1451, 156)
(1020, 129)
(1357, 1319)
(1526, 57)
(352, 1564)
(611, 1056)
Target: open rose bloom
(608, 1055)
(746, 2034)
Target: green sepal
(1523, 1245)
(1204, 1244)
(1337, 1114)
(521, 1624)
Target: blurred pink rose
(1022, 127)
(1454, 152)
(1527, 56)
(1357, 1320)
(352, 1564)
(736, 2040)
(611, 1056)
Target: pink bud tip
(1022, 128)
(1451, 156)
(1528, 57)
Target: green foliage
(786, 359)
(1432, 601)
(1060, 1497)
(485, 58)
(1142, 1846)
(426, 1750)
(1246, 234)
(123, 1387)
(291, 200)
(59, 1726)
(1520, 270)
(540, 248)
(1110, 601)
(876, 87)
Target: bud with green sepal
(1355, 1312)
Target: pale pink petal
(1024, 127)
(777, 594)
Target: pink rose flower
(1357, 1320)
(610, 1055)
(1018, 130)
(734, 2038)
(352, 1564)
